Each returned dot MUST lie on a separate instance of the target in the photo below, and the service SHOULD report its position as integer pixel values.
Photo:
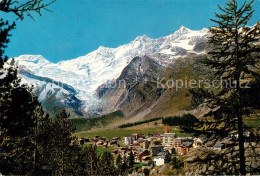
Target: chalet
(100, 142)
(180, 140)
(185, 147)
(103, 138)
(81, 141)
(156, 149)
(170, 149)
(113, 142)
(116, 138)
(199, 142)
(162, 158)
(143, 153)
(218, 146)
(145, 159)
(86, 139)
(95, 139)
(145, 144)
(114, 152)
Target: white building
(168, 139)
(129, 140)
(158, 161)
(162, 158)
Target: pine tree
(65, 146)
(19, 107)
(131, 159)
(91, 160)
(107, 164)
(18, 119)
(118, 160)
(4, 39)
(234, 58)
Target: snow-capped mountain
(82, 76)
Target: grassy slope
(146, 129)
(83, 124)
(125, 132)
(175, 102)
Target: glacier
(86, 73)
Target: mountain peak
(36, 59)
(142, 38)
(183, 29)
(103, 49)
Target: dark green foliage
(4, 39)
(118, 160)
(24, 9)
(121, 165)
(107, 167)
(62, 146)
(17, 105)
(139, 123)
(177, 162)
(186, 121)
(19, 114)
(146, 171)
(234, 58)
(131, 159)
(96, 164)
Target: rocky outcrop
(135, 89)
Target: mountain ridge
(86, 73)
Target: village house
(86, 139)
(145, 159)
(95, 139)
(162, 158)
(100, 142)
(218, 146)
(113, 142)
(116, 138)
(157, 135)
(143, 153)
(186, 147)
(170, 149)
(145, 144)
(156, 149)
(81, 142)
(221, 144)
(180, 140)
(199, 142)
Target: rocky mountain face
(135, 88)
(146, 89)
(110, 79)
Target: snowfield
(86, 73)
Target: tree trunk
(241, 147)
(35, 147)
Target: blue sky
(77, 27)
